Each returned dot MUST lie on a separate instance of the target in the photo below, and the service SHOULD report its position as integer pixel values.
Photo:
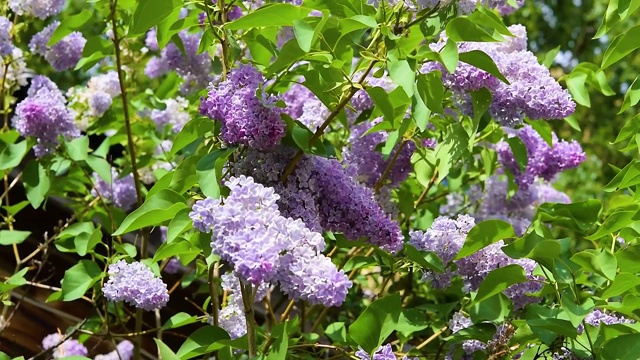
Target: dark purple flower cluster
(543, 160)
(64, 54)
(531, 92)
(265, 247)
(44, 115)
(136, 284)
(248, 116)
(120, 191)
(194, 68)
(367, 164)
(322, 193)
(446, 237)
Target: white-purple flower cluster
(231, 317)
(6, 46)
(384, 352)
(119, 191)
(368, 165)
(194, 68)
(102, 89)
(173, 115)
(464, 6)
(543, 161)
(41, 9)
(136, 284)
(44, 115)
(598, 317)
(446, 237)
(265, 247)
(64, 54)
(123, 351)
(63, 348)
(531, 92)
(322, 193)
(304, 106)
(248, 116)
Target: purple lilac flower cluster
(446, 237)
(123, 351)
(304, 106)
(543, 160)
(6, 46)
(322, 193)
(459, 321)
(136, 284)
(173, 115)
(597, 317)
(44, 115)
(63, 348)
(120, 191)
(367, 164)
(265, 247)
(231, 317)
(531, 92)
(41, 9)
(64, 54)
(102, 89)
(194, 68)
(247, 118)
(464, 6)
(384, 352)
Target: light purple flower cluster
(41, 9)
(384, 352)
(446, 237)
(194, 68)
(531, 92)
(247, 118)
(468, 6)
(44, 115)
(136, 284)
(64, 54)
(6, 46)
(361, 100)
(62, 349)
(304, 106)
(231, 317)
(265, 247)
(102, 89)
(120, 191)
(597, 317)
(459, 322)
(322, 193)
(543, 160)
(123, 351)
(173, 115)
(367, 164)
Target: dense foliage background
(450, 179)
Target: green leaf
(270, 15)
(358, 262)
(498, 280)
(550, 57)
(191, 131)
(628, 259)
(11, 155)
(80, 278)
(376, 322)
(412, 320)
(449, 56)
(179, 224)
(337, 332)
(281, 344)
(600, 262)
(621, 46)
(96, 49)
(149, 13)
(621, 284)
(9, 237)
(202, 341)
(629, 130)
(78, 148)
(576, 85)
(304, 34)
(481, 101)
(627, 177)
(168, 250)
(36, 183)
(84, 236)
(209, 171)
(519, 151)
(402, 74)
(544, 130)
(431, 90)
(622, 347)
(158, 208)
(463, 29)
(101, 167)
(178, 320)
(69, 24)
(615, 222)
(426, 259)
(482, 61)
(381, 100)
(485, 234)
(495, 309)
(579, 215)
(165, 352)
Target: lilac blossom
(41, 9)
(231, 317)
(247, 117)
(62, 55)
(14, 70)
(120, 191)
(44, 115)
(38, 43)
(265, 247)
(173, 115)
(63, 348)
(384, 352)
(6, 46)
(597, 317)
(543, 160)
(136, 284)
(123, 351)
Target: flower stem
(247, 300)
